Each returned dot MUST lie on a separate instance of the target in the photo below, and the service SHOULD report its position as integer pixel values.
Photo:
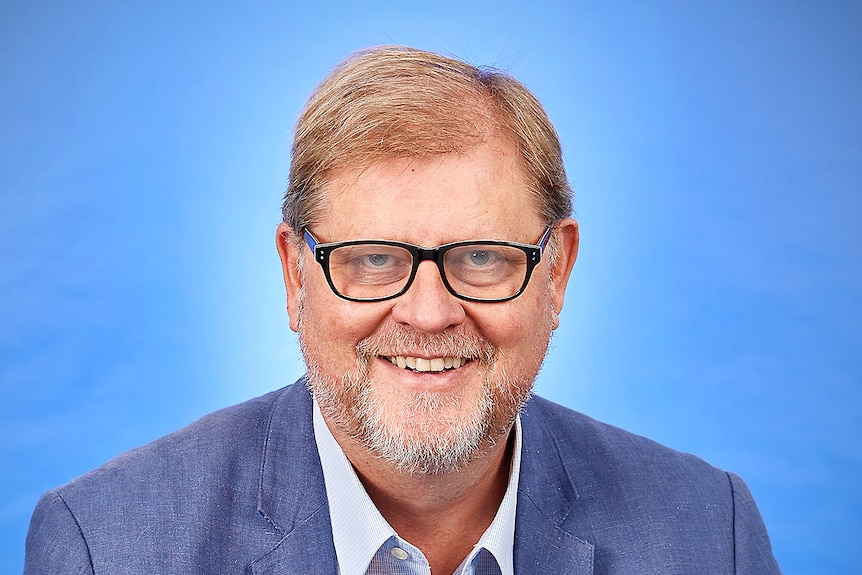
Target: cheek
(521, 329)
(332, 325)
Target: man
(426, 247)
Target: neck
(443, 514)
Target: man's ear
(285, 242)
(567, 238)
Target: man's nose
(428, 305)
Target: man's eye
(377, 260)
(480, 258)
(483, 258)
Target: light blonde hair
(394, 101)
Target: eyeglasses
(377, 270)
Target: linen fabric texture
(242, 491)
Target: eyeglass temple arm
(545, 237)
(310, 239)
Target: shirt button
(399, 553)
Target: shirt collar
(358, 528)
(499, 538)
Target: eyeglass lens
(481, 271)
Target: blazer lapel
(292, 494)
(292, 498)
(546, 497)
(543, 548)
(306, 550)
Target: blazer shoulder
(640, 502)
(228, 436)
(178, 500)
(582, 440)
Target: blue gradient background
(716, 151)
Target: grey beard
(424, 453)
(387, 426)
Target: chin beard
(420, 433)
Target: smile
(422, 365)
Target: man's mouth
(422, 364)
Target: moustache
(407, 341)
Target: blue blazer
(241, 491)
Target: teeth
(425, 365)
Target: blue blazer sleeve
(752, 549)
(55, 543)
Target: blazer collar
(292, 498)
(292, 494)
(547, 505)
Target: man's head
(401, 146)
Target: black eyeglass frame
(420, 254)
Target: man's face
(419, 419)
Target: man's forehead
(385, 169)
(482, 193)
